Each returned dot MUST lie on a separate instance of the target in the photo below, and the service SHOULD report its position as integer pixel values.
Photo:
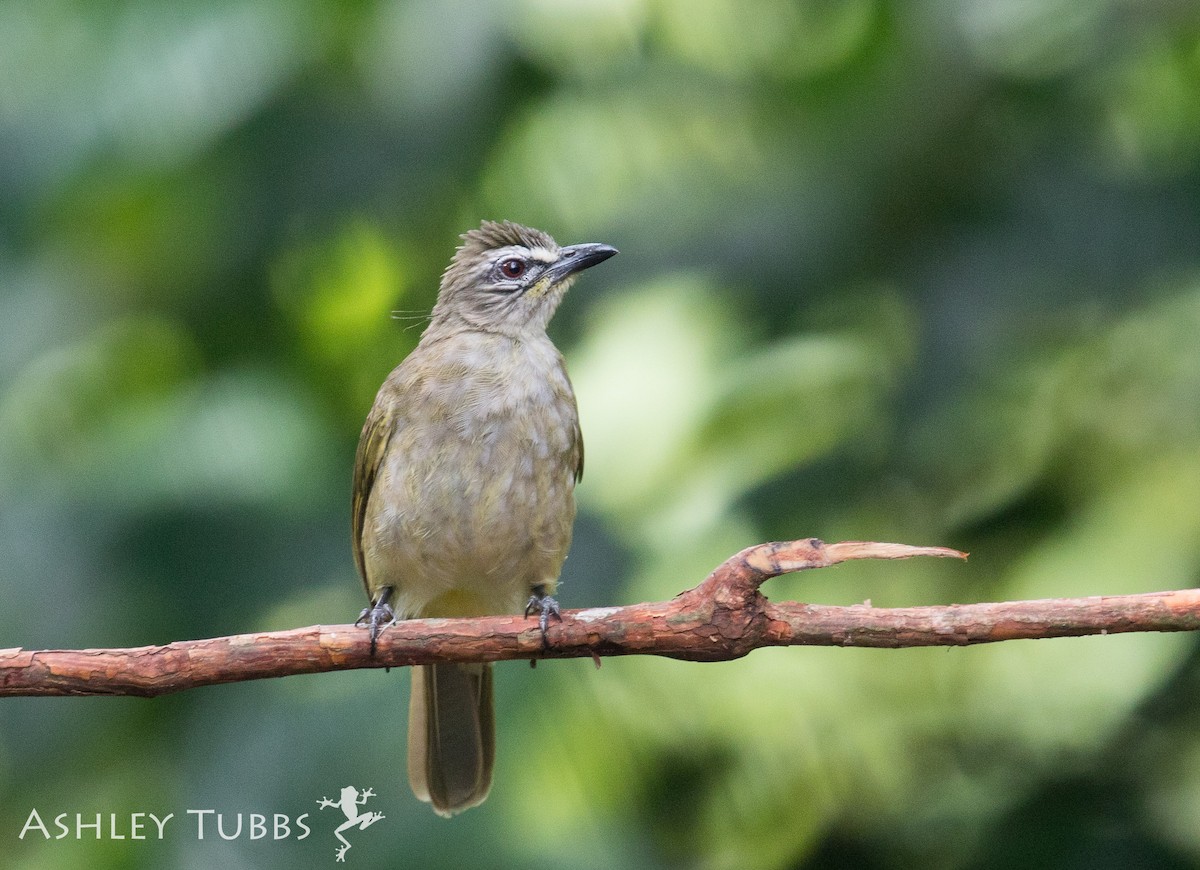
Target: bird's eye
(512, 268)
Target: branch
(723, 618)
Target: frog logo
(349, 803)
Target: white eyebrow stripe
(543, 255)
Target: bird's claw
(545, 607)
(376, 618)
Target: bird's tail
(451, 735)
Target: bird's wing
(579, 450)
(372, 447)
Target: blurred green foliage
(926, 272)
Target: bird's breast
(475, 498)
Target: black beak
(576, 258)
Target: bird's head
(509, 278)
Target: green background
(914, 271)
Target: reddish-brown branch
(723, 618)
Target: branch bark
(723, 618)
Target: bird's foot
(377, 617)
(545, 606)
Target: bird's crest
(498, 234)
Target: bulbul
(464, 484)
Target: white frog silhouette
(349, 803)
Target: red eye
(513, 268)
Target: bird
(463, 491)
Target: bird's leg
(545, 607)
(378, 616)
